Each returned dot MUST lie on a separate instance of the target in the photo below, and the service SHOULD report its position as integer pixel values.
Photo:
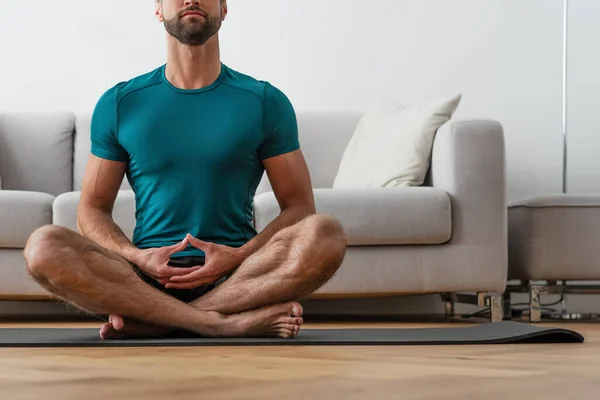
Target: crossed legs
(258, 299)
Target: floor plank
(549, 371)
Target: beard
(192, 32)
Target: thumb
(178, 246)
(197, 243)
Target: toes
(296, 330)
(292, 327)
(289, 328)
(105, 330)
(296, 310)
(293, 321)
(116, 321)
(286, 333)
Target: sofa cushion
(554, 237)
(391, 216)
(17, 282)
(392, 144)
(21, 213)
(36, 152)
(65, 211)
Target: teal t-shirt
(194, 157)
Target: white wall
(503, 55)
(63, 54)
(583, 95)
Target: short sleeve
(104, 128)
(280, 124)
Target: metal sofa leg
(507, 305)
(535, 308)
(448, 305)
(496, 308)
(494, 302)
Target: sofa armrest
(384, 216)
(468, 163)
(65, 211)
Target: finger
(197, 243)
(177, 247)
(187, 285)
(192, 276)
(167, 271)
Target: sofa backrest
(36, 152)
(48, 152)
(82, 147)
(323, 137)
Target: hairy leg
(93, 279)
(294, 263)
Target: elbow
(79, 217)
(80, 228)
(300, 211)
(306, 210)
(87, 215)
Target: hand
(154, 262)
(220, 260)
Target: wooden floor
(559, 371)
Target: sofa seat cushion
(65, 211)
(21, 213)
(554, 237)
(377, 216)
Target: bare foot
(282, 320)
(118, 328)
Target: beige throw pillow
(392, 144)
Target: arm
(102, 179)
(100, 187)
(290, 180)
(285, 167)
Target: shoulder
(112, 96)
(263, 90)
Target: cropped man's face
(192, 23)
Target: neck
(193, 67)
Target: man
(193, 138)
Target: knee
(42, 247)
(327, 227)
(328, 231)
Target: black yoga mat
(491, 333)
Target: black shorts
(185, 295)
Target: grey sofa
(553, 249)
(447, 237)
